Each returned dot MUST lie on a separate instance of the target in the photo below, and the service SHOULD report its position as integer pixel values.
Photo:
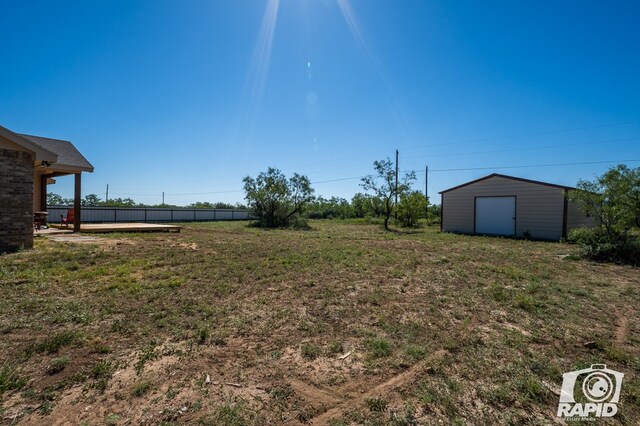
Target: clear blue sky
(189, 96)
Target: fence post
(115, 214)
(232, 211)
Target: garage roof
(537, 182)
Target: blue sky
(189, 96)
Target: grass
(10, 379)
(434, 328)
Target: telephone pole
(163, 198)
(107, 196)
(426, 191)
(396, 206)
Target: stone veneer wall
(16, 200)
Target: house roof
(537, 182)
(41, 153)
(69, 158)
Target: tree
(613, 198)
(412, 207)
(121, 202)
(433, 214)
(383, 185)
(275, 200)
(201, 205)
(57, 200)
(90, 200)
(366, 205)
(335, 207)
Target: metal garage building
(511, 206)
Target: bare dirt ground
(342, 324)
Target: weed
(147, 354)
(112, 419)
(336, 347)
(55, 343)
(10, 379)
(228, 415)
(141, 388)
(415, 352)
(203, 335)
(498, 293)
(376, 405)
(379, 347)
(310, 351)
(57, 365)
(530, 389)
(527, 302)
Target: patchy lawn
(343, 324)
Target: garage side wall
(576, 218)
(16, 200)
(539, 208)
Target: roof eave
(62, 168)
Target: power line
(535, 165)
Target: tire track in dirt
(385, 387)
(315, 394)
(622, 328)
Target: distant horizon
(188, 98)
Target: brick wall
(16, 200)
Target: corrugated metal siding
(539, 208)
(576, 218)
(148, 214)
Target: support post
(76, 202)
(43, 193)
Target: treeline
(92, 200)
(367, 205)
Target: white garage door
(496, 215)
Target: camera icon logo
(593, 391)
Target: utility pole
(107, 197)
(426, 191)
(396, 206)
(163, 198)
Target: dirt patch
(622, 328)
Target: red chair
(69, 219)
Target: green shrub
(412, 207)
(597, 245)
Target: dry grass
(225, 324)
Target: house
(27, 165)
(510, 206)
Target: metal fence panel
(148, 214)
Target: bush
(276, 201)
(412, 207)
(596, 244)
